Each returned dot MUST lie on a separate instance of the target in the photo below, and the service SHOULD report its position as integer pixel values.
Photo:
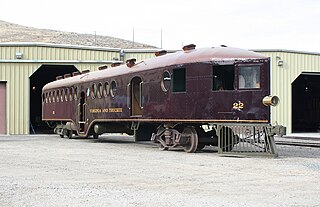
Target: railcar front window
(223, 77)
(249, 77)
(179, 80)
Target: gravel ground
(114, 171)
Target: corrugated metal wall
(17, 72)
(294, 63)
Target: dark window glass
(179, 80)
(223, 77)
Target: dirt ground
(114, 171)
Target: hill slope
(10, 32)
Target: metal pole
(133, 37)
(161, 39)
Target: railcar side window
(75, 93)
(71, 93)
(100, 89)
(223, 77)
(166, 81)
(50, 95)
(113, 88)
(88, 91)
(66, 94)
(54, 96)
(106, 89)
(179, 80)
(62, 93)
(249, 77)
(93, 91)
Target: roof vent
(102, 67)
(189, 47)
(85, 71)
(75, 73)
(223, 45)
(59, 77)
(160, 53)
(115, 64)
(67, 75)
(131, 62)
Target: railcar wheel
(95, 136)
(191, 139)
(200, 146)
(159, 131)
(69, 134)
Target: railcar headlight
(271, 100)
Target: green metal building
(26, 67)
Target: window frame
(238, 66)
(173, 79)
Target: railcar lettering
(106, 110)
(238, 105)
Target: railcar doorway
(306, 103)
(136, 96)
(82, 111)
(42, 76)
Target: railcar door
(136, 96)
(82, 111)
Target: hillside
(10, 32)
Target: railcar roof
(212, 54)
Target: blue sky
(251, 24)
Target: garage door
(3, 127)
(306, 103)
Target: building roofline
(284, 50)
(147, 50)
(53, 45)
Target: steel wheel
(191, 138)
(69, 134)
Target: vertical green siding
(294, 64)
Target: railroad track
(300, 144)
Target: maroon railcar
(170, 96)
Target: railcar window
(113, 88)
(62, 93)
(71, 93)
(46, 97)
(106, 89)
(179, 80)
(88, 91)
(49, 97)
(223, 77)
(75, 93)
(166, 81)
(249, 77)
(93, 91)
(66, 94)
(54, 96)
(100, 90)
